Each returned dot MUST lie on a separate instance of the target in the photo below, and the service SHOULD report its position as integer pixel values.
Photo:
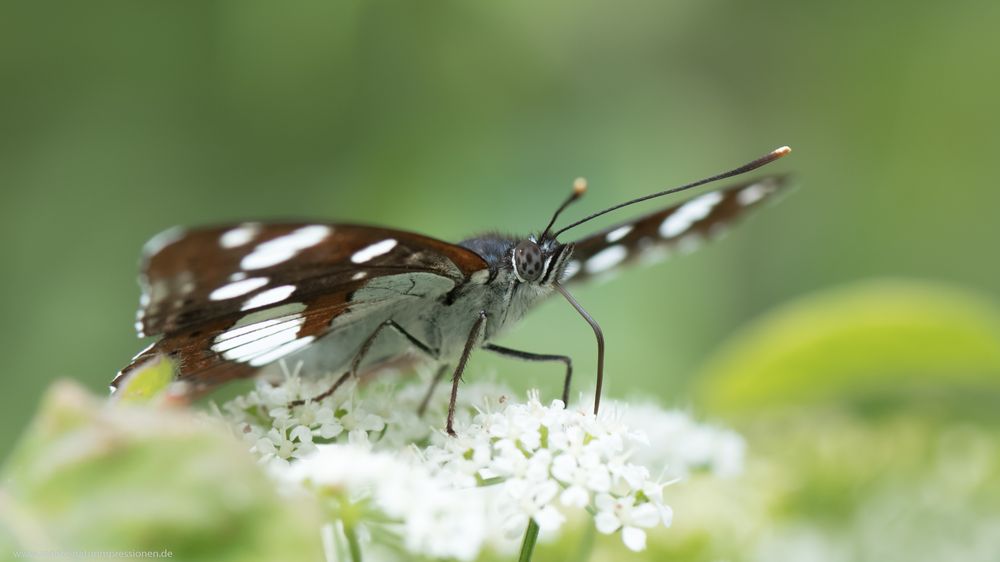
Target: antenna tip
(783, 151)
(579, 186)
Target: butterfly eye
(528, 261)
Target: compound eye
(528, 261)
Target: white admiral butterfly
(227, 300)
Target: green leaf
(147, 381)
(89, 475)
(872, 340)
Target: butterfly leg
(370, 341)
(333, 388)
(528, 356)
(430, 391)
(470, 344)
(363, 352)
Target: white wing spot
(239, 335)
(237, 288)
(375, 250)
(606, 259)
(618, 233)
(689, 213)
(269, 296)
(243, 344)
(246, 330)
(752, 193)
(239, 236)
(285, 247)
(280, 351)
(359, 276)
(238, 276)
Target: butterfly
(226, 301)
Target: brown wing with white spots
(681, 228)
(230, 299)
(189, 277)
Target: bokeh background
(118, 120)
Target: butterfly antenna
(600, 342)
(579, 188)
(748, 167)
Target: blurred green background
(118, 120)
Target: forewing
(681, 228)
(230, 299)
(189, 277)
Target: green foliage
(147, 381)
(911, 483)
(874, 342)
(93, 475)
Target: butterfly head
(541, 262)
(542, 259)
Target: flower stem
(530, 538)
(352, 543)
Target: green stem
(352, 543)
(530, 538)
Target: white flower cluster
(550, 459)
(510, 462)
(385, 415)
(279, 433)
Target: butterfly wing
(229, 299)
(680, 228)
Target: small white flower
(319, 415)
(623, 513)
(530, 499)
(581, 474)
(278, 444)
(301, 433)
(509, 461)
(520, 431)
